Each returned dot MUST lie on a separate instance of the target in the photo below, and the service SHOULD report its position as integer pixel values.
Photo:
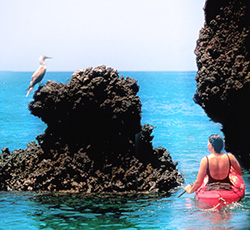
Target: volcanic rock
(223, 77)
(94, 141)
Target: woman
(217, 165)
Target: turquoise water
(181, 127)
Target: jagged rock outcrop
(223, 78)
(94, 141)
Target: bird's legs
(29, 91)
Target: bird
(38, 74)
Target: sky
(127, 35)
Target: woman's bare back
(219, 166)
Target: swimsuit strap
(229, 163)
(208, 167)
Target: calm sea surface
(181, 127)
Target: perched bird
(38, 74)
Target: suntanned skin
(218, 168)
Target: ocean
(181, 127)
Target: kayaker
(216, 165)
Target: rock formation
(94, 141)
(223, 78)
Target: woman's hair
(217, 142)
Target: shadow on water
(134, 211)
(71, 211)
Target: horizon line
(110, 67)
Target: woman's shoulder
(208, 156)
(204, 159)
(231, 156)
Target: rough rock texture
(94, 141)
(223, 78)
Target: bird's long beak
(48, 57)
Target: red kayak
(216, 195)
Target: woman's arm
(200, 177)
(235, 164)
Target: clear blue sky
(124, 34)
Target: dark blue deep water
(181, 127)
